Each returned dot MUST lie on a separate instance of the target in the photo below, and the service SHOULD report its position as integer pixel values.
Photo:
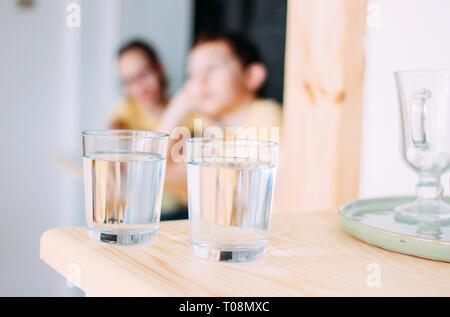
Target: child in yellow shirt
(225, 75)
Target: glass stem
(429, 187)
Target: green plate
(372, 221)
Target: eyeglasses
(148, 71)
(211, 68)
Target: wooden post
(324, 75)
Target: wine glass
(424, 98)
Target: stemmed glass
(424, 98)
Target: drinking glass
(123, 177)
(424, 98)
(230, 190)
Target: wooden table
(309, 254)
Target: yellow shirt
(266, 116)
(264, 113)
(261, 113)
(131, 116)
(259, 120)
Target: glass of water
(424, 98)
(230, 190)
(124, 179)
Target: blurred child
(225, 75)
(144, 80)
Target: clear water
(230, 203)
(123, 192)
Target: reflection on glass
(425, 111)
(124, 179)
(230, 185)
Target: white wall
(54, 82)
(99, 38)
(166, 24)
(412, 34)
(35, 121)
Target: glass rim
(128, 134)
(200, 140)
(418, 71)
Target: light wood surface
(308, 255)
(322, 111)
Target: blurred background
(56, 81)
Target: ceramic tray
(372, 220)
